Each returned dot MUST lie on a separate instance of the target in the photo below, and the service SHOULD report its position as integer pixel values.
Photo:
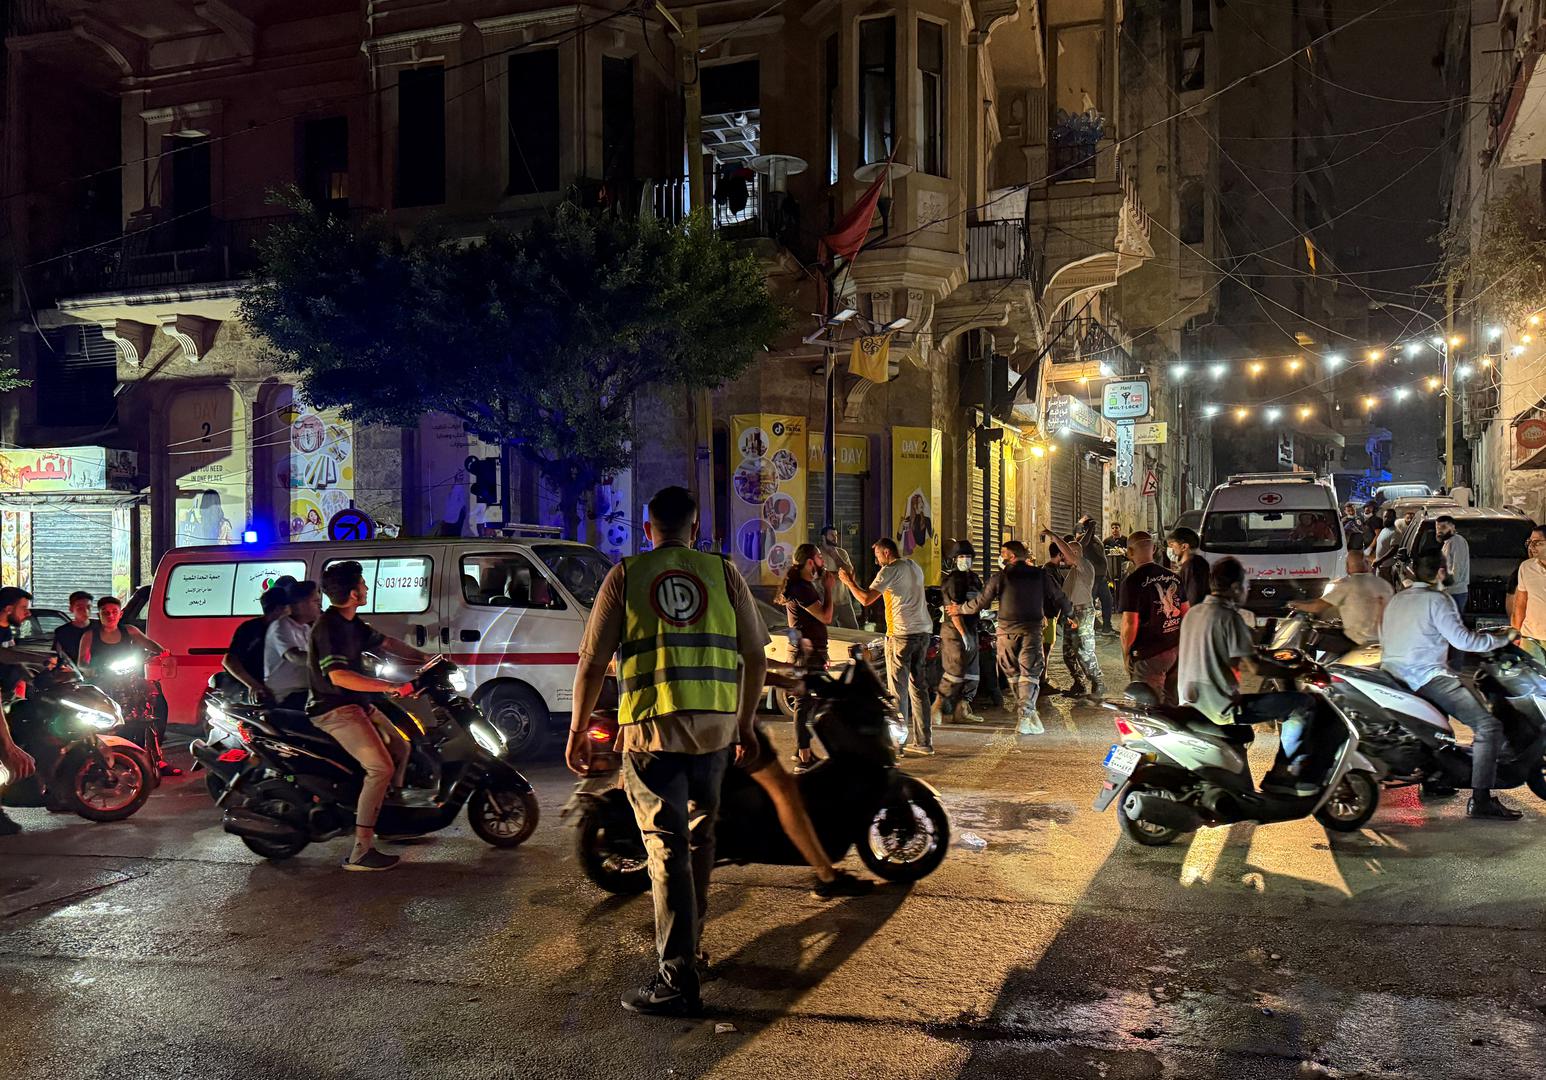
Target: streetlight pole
(1449, 384)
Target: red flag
(847, 236)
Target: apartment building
(1493, 55)
(144, 139)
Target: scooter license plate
(1121, 761)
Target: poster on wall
(444, 447)
(767, 493)
(915, 484)
(615, 530)
(208, 446)
(321, 468)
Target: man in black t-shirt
(243, 660)
(810, 608)
(340, 702)
(1151, 606)
(67, 638)
(1190, 567)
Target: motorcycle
(1414, 741)
(1175, 771)
(289, 785)
(856, 796)
(66, 724)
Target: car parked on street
(1497, 538)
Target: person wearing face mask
(1189, 566)
(958, 653)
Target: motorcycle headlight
(97, 717)
(458, 681)
(125, 665)
(489, 737)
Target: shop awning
(79, 500)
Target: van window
(224, 588)
(508, 579)
(581, 570)
(1269, 532)
(1489, 538)
(396, 586)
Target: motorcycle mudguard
(499, 773)
(906, 783)
(592, 789)
(133, 749)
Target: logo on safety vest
(678, 597)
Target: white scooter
(1176, 771)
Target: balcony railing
(1086, 339)
(186, 251)
(999, 251)
(765, 213)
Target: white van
(1285, 528)
(510, 611)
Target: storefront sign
(1125, 454)
(853, 454)
(1286, 448)
(1127, 400)
(66, 468)
(1155, 434)
(767, 493)
(1530, 435)
(915, 484)
(1068, 412)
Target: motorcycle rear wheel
(503, 826)
(907, 838)
(1145, 833)
(277, 800)
(612, 857)
(1352, 804)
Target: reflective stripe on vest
(678, 649)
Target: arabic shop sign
(1069, 412)
(66, 468)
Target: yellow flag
(871, 358)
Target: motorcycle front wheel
(611, 851)
(1352, 804)
(907, 838)
(111, 788)
(503, 819)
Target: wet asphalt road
(1417, 948)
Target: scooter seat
(1374, 675)
(1194, 722)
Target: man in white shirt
(1529, 613)
(908, 626)
(1358, 599)
(1421, 625)
(1457, 560)
(284, 646)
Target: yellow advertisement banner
(853, 454)
(915, 484)
(767, 493)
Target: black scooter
(291, 784)
(856, 797)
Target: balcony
(1000, 251)
(1094, 230)
(1517, 115)
(1084, 348)
(764, 213)
(189, 251)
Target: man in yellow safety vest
(691, 661)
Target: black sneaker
(372, 860)
(7, 826)
(845, 884)
(1491, 809)
(659, 998)
(1438, 789)
(1076, 690)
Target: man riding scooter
(1420, 627)
(1214, 637)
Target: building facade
(1012, 219)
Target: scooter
(1414, 741)
(290, 785)
(1176, 771)
(66, 724)
(856, 796)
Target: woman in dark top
(113, 656)
(809, 607)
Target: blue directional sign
(351, 524)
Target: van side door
(510, 619)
